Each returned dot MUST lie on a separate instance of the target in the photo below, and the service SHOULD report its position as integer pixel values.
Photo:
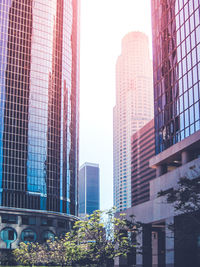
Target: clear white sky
(103, 24)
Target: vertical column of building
(134, 108)
(54, 115)
(74, 126)
(17, 90)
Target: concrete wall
(156, 210)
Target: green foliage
(186, 197)
(186, 201)
(95, 240)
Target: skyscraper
(39, 109)
(176, 48)
(133, 109)
(89, 188)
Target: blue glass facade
(81, 192)
(92, 193)
(89, 189)
(39, 104)
(176, 61)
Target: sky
(103, 25)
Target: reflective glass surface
(89, 189)
(92, 189)
(81, 192)
(39, 100)
(176, 62)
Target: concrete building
(176, 65)
(143, 148)
(162, 248)
(39, 118)
(89, 188)
(133, 109)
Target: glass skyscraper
(176, 60)
(39, 104)
(89, 188)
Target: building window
(28, 220)
(25, 220)
(11, 235)
(8, 218)
(61, 224)
(28, 235)
(48, 235)
(32, 220)
(46, 222)
(8, 235)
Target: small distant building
(142, 149)
(89, 188)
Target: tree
(106, 239)
(186, 197)
(97, 239)
(186, 227)
(59, 252)
(30, 254)
(186, 202)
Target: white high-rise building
(133, 109)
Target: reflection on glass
(178, 48)
(39, 104)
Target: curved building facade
(39, 105)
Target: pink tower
(133, 109)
